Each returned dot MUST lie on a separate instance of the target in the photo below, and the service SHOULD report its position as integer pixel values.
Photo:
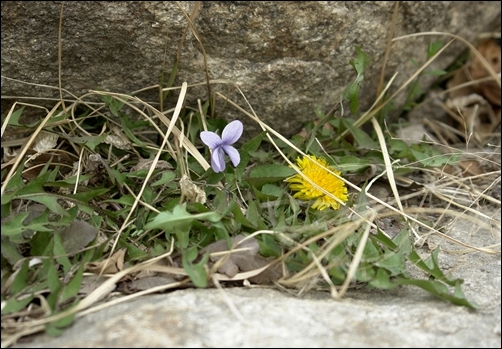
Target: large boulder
(287, 57)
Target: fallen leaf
(246, 260)
(45, 141)
(90, 283)
(490, 51)
(147, 163)
(36, 162)
(77, 236)
(112, 264)
(192, 192)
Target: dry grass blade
(27, 145)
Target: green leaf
(170, 81)
(10, 251)
(433, 158)
(365, 273)
(351, 163)
(13, 305)
(238, 215)
(14, 226)
(269, 247)
(351, 92)
(253, 214)
(249, 147)
(14, 118)
(72, 288)
(52, 278)
(433, 48)
(114, 103)
(167, 177)
(361, 62)
(362, 138)
(87, 195)
(392, 261)
(179, 218)
(382, 280)
(197, 272)
(60, 253)
(439, 289)
(370, 252)
(20, 280)
(56, 328)
(262, 174)
(430, 266)
(90, 142)
(272, 190)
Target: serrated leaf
(365, 273)
(113, 103)
(14, 118)
(430, 266)
(434, 158)
(439, 289)
(361, 62)
(90, 141)
(87, 195)
(51, 202)
(14, 226)
(382, 280)
(392, 261)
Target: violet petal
(233, 154)
(211, 139)
(232, 132)
(218, 160)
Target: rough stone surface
(287, 57)
(402, 317)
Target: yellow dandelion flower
(321, 177)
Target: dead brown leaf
(248, 259)
(77, 236)
(490, 50)
(147, 163)
(112, 264)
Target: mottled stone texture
(287, 57)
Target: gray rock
(287, 57)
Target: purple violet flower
(231, 134)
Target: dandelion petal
(211, 139)
(232, 132)
(234, 155)
(218, 160)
